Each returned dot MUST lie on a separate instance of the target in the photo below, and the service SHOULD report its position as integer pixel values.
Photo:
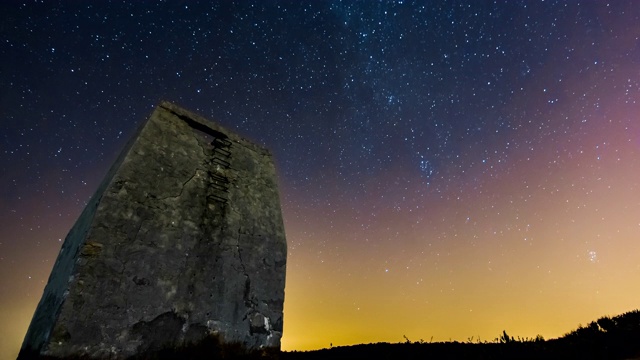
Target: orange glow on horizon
(565, 254)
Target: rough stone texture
(183, 240)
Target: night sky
(446, 170)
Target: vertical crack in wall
(247, 285)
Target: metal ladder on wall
(221, 157)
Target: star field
(446, 170)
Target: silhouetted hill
(606, 338)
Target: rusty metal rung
(219, 161)
(221, 151)
(219, 178)
(221, 142)
(220, 187)
(218, 199)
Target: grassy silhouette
(606, 338)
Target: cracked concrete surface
(184, 239)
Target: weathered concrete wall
(183, 240)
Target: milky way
(446, 170)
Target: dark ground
(606, 338)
